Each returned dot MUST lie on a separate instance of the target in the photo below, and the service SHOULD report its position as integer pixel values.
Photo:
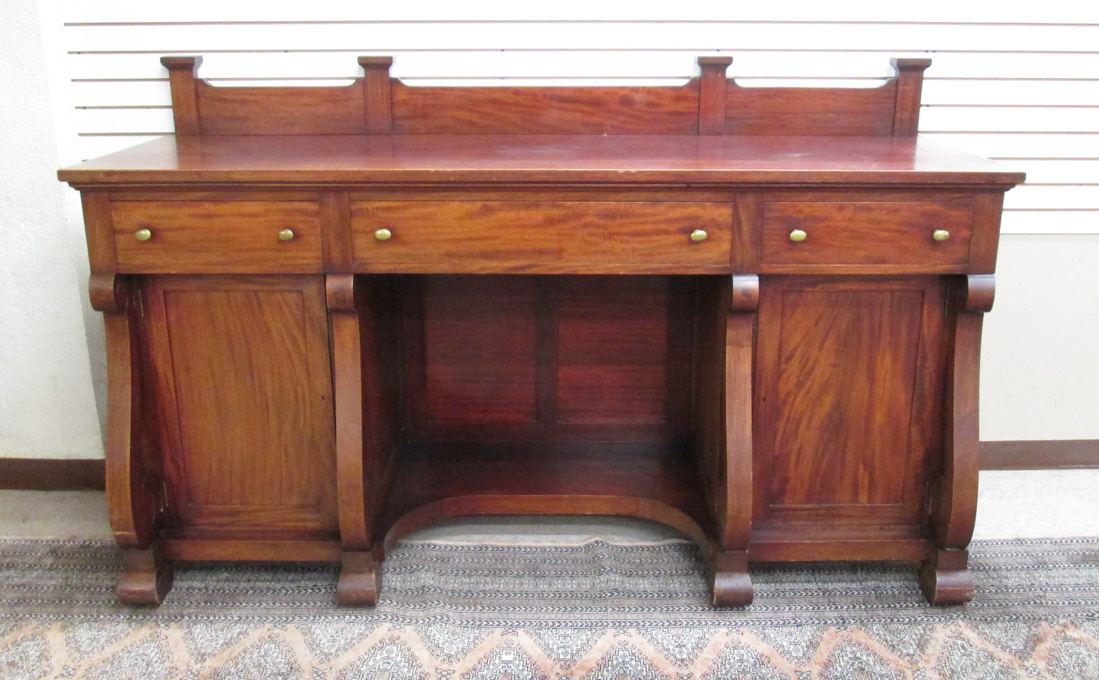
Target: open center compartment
(530, 394)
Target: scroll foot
(731, 582)
(946, 579)
(146, 577)
(360, 579)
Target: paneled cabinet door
(848, 377)
(244, 399)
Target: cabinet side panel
(251, 430)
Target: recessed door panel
(245, 386)
(846, 382)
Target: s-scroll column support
(359, 580)
(945, 578)
(135, 502)
(732, 584)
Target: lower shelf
(437, 481)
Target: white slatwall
(1020, 85)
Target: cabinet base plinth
(946, 579)
(730, 580)
(360, 580)
(146, 577)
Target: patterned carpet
(591, 611)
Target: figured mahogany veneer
(540, 236)
(245, 239)
(335, 315)
(865, 230)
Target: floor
(1031, 504)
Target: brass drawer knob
(383, 234)
(797, 236)
(699, 235)
(940, 234)
(143, 234)
(286, 234)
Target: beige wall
(47, 357)
(1040, 355)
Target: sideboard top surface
(619, 159)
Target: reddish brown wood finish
(988, 207)
(545, 111)
(134, 483)
(146, 577)
(540, 334)
(606, 478)
(249, 546)
(612, 351)
(134, 500)
(244, 388)
(711, 95)
(847, 377)
(549, 504)
(553, 237)
(379, 99)
(808, 111)
(303, 110)
(736, 524)
(181, 76)
(729, 579)
(945, 579)
(568, 162)
(546, 358)
(732, 585)
(246, 240)
(335, 215)
(709, 105)
(360, 579)
(906, 116)
(99, 231)
(480, 352)
(352, 480)
(866, 233)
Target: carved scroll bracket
(945, 579)
(980, 292)
(109, 292)
(731, 582)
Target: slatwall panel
(1023, 90)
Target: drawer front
(866, 233)
(547, 237)
(197, 237)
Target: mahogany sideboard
(337, 314)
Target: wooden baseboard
(52, 474)
(49, 474)
(1044, 454)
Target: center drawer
(540, 236)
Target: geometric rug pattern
(550, 612)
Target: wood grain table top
(526, 159)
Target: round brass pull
(383, 234)
(143, 234)
(699, 235)
(940, 234)
(286, 234)
(797, 236)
